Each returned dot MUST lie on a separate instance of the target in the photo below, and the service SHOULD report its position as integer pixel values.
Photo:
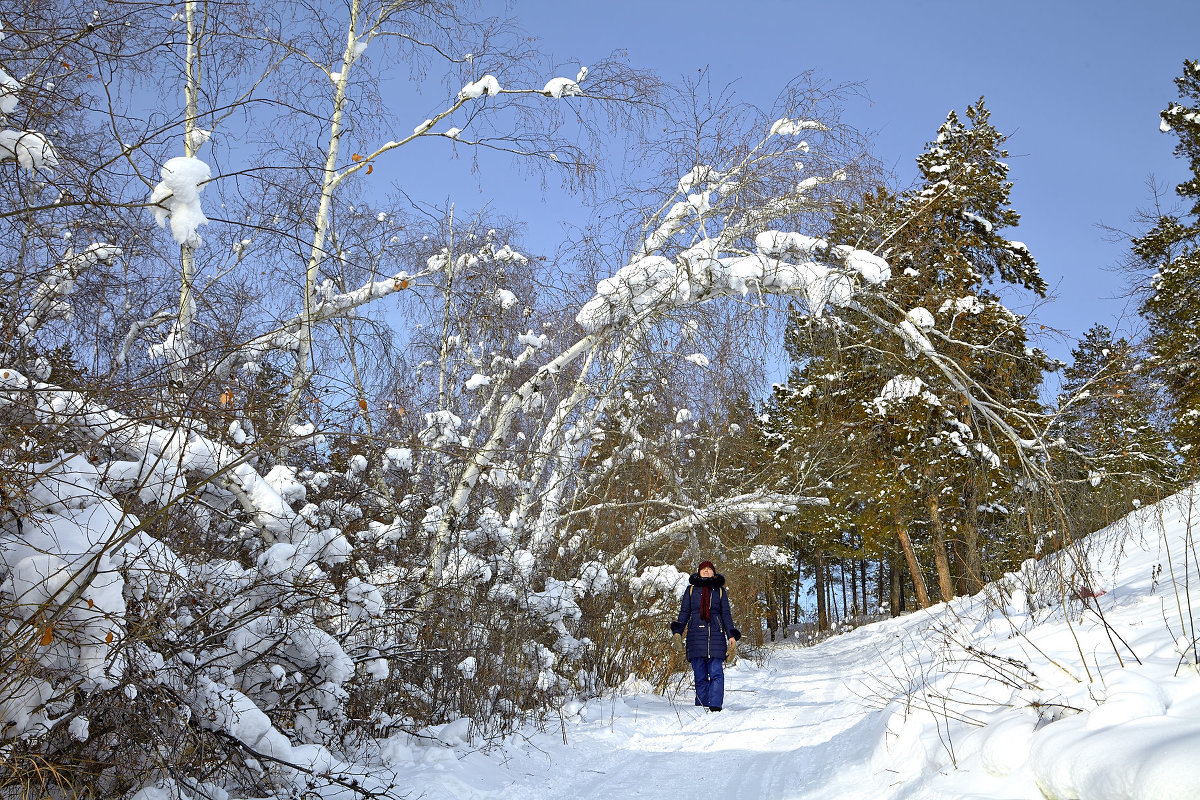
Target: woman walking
(705, 614)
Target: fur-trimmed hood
(715, 582)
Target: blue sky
(1077, 85)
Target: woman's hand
(732, 641)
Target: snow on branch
(487, 85)
(30, 149)
(177, 197)
(194, 455)
(699, 273)
(287, 335)
(50, 298)
(760, 503)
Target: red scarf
(705, 602)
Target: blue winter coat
(706, 638)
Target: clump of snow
(561, 87)
(30, 149)
(921, 318)
(282, 478)
(871, 267)
(664, 579)
(769, 555)
(530, 339)
(9, 87)
(177, 197)
(968, 304)
(505, 299)
(699, 174)
(398, 458)
(441, 429)
(197, 137)
(364, 599)
(467, 667)
(978, 220)
(794, 127)
(699, 359)
(900, 388)
(487, 85)
(782, 244)
(78, 729)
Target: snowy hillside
(1026, 695)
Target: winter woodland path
(790, 729)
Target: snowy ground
(1032, 719)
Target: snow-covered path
(790, 729)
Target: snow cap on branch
(9, 86)
(29, 149)
(485, 85)
(178, 196)
(794, 127)
(561, 87)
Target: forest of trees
(288, 461)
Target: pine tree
(952, 237)
(921, 465)
(1115, 453)
(1171, 249)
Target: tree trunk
(846, 612)
(941, 558)
(862, 566)
(885, 594)
(958, 566)
(910, 556)
(973, 568)
(822, 609)
(834, 616)
(854, 611)
(797, 614)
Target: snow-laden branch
(761, 503)
(286, 336)
(191, 454)
(563, 450)
(484, 455)
(136, 329)
(652, 284)
(50, 298)
(700, 274)
(994, 413)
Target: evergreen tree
(1115, 453)
(921, 466)
(1171, 249)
